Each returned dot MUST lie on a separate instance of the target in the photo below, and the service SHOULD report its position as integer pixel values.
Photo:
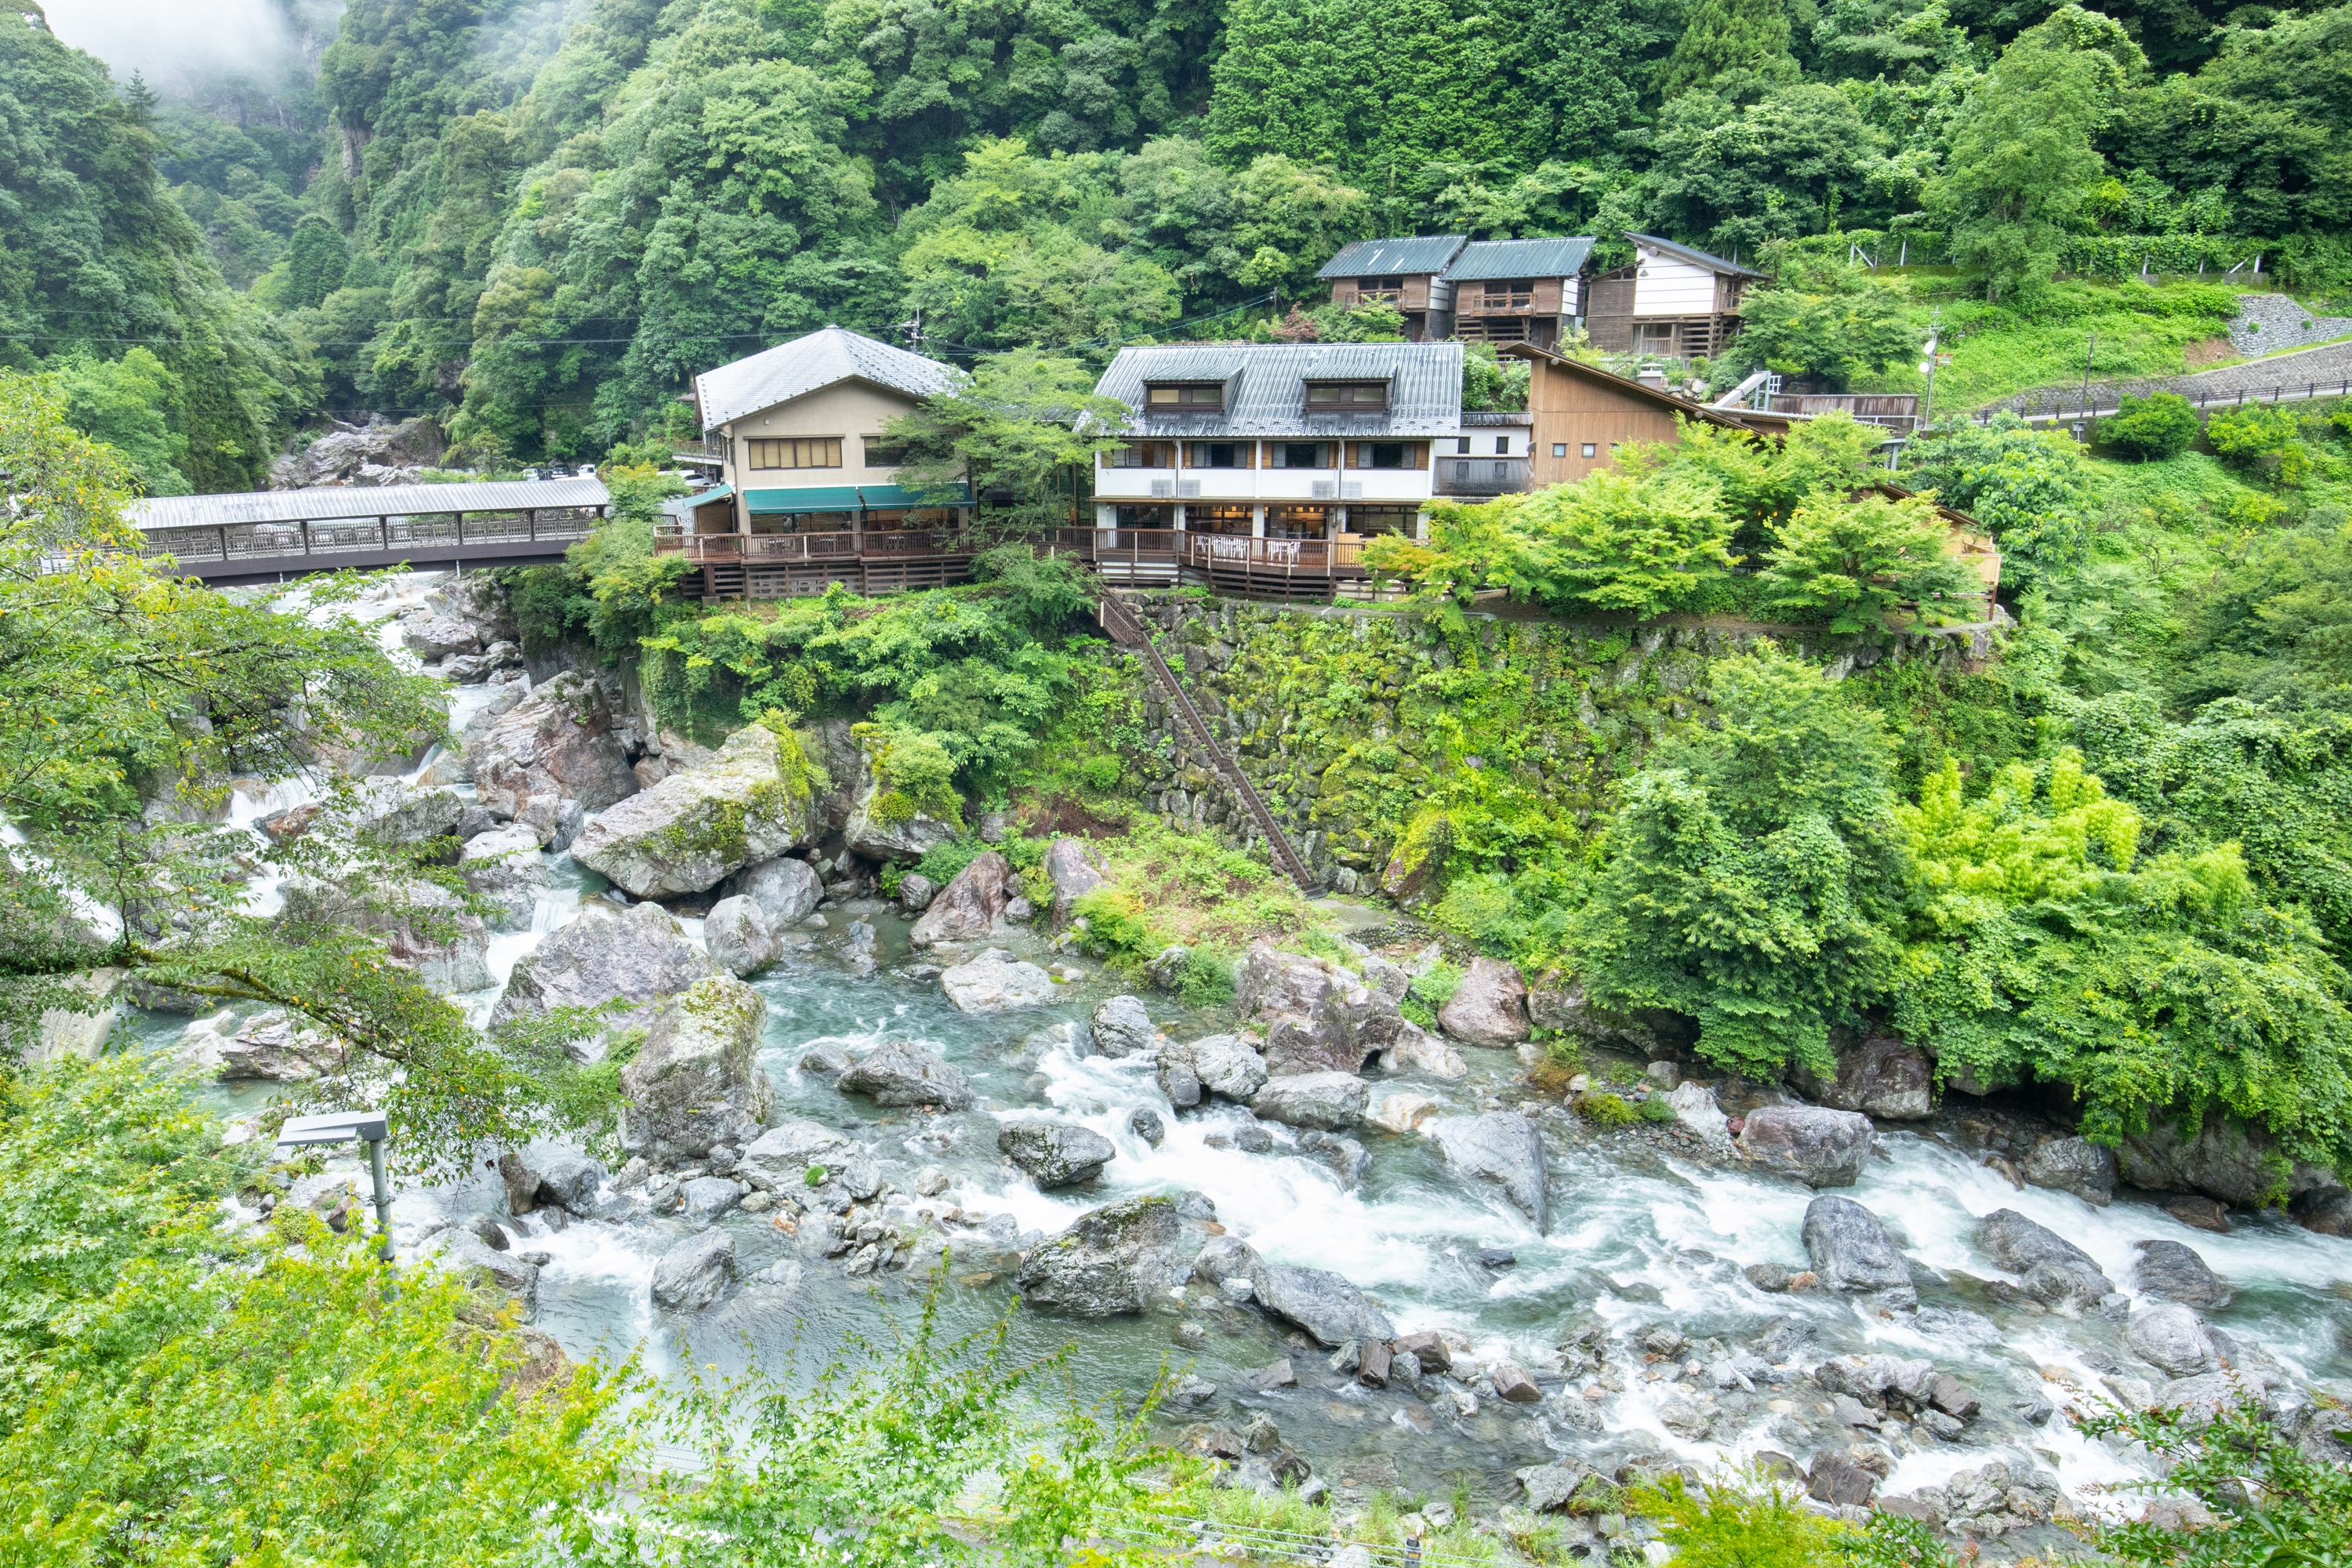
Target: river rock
(1166, 970)
(971, 904)
(424, 926)
(694, 1272)
(1502, 1147)
(1882, 1077)
(897, 1073)
(705, 1198)
(1110, 1260)
(996, 981)
(882, 823)
(1123, 1028)
(2170, 1272)
(270, 1049)
(1073, 870)
(787, 890)
(391, 811)
(2227, 1160)
(2055, 1271)
(1695, 1107)
(464, 1254)
(1405, 1111)
(504, 867)
(1850, 1249)
(637, 955)
(2073, 1165)
(1344, 1157)
(916, 892)
(1311, 1007)
(1819, 1147)
(1839, 1482)
(1565, 1485)
(570, 1180)
(779, 1158)
(2324, 1211)
(1321, 1302)
(1217, 1064)
(557, 745)
(1055, 1153)
(1146, 1124)
(1405, 1046)
(749, 804)
(739, 940)
(2173, 1338)
(1330, 1100)
(1490, 1007)
(697, 1083)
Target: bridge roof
(330, 502)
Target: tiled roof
(802, 366)
(1394, 258)
(1520, 259)
(1266, 392)
(1696, 257)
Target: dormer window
(1186, 397)
(1347, 396)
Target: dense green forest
(534, 221)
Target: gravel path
(2325, 372)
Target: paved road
(2323, 371)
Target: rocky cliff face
(378, 453)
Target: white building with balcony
(1282, 441)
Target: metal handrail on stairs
(1126, 630)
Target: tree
(1825, 324)
(2154, 428)
(1023, 422)
(2031, 487)
(1785, 166)
(126, 404)
(1858, 563)
(315, 260)
(1739, 47)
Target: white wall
(849, 411)
(1669, 286)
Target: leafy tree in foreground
(2150, 429)
(1829, 324)
(1859, 562)
(2032, 487)
(1023, 422)
(2275, 1502)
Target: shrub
(943, 862)
(1608, 1109)
(1656, 1108)
(2266, 439)
(2150, 429)
(1437, 987)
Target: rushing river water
(1639, 1236)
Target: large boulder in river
(637, 955)
(698, 1082)
(1073, 870)
(1405, 1046)
(1323, 1303)
(750, 803)
(2175, 1339)
(1122, 1027)
(738, 937)
(1312, 1009)
(2073, 1165)
(2227, 1160)
(996, 981)
(1490, 1007)
(1882, 1078)
(970, 905)
(1330, 1100)
(392, 811)
(1502, 1147)
(558, 744)
(884, 822)
(787, 890)
(779, 1159)
(1214, 1063)
(1110, 1260)
(897, 1073)
(1850, 1249)
(2170, 1272)
(1819, 1147)
(425, 927)
(2057, 1272)
(503, 867)
(1055, 1153)
(694, 1272)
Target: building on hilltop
(1407, 275)
(1518, 290)
(1673, 301)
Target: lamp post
(348, 1127)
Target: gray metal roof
(1266, 387)
(1520, 259)
(1696, 257)
(1480, 418)
(330, 502)
(802, 366)
(1394, 258)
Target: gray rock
(424, 926)
(2073, 1165)
(1110, 1260)
(697, 1083)
(1055, 1153)
(1344, 1157)
(1819, 1147)
(465, 1254)
(270, 1049)
(970, 905)
(1312, 1008)
(887, 834)
(708, 1197)
(749, 804)
(1695, 1107)
(739, 940)
(1838, 1480)
(1330, 1100)
(2231, 1162)
(1321, 1302)
(916, 892)
(897, 1073)
(1882, 1078)
(1848, 1247)
(570, 1180)
(1123, 1028)
(1513, 1386)
(1073, 870)
(1490, 1007)
(557, 745)
(1217, 1064)
(776, 1160)
(1166, 970)
(395, 812)
(1181, 1085)
(786, 889)
(1405, 1046)
(694, 1272)
(638, 955)
(2324, 1211)
(2173, 1339)
(504, 867)
(1502, 1147)
(2054, 1271)
(2170, 1272)
(1223, 1258)
(995, 982)
(1146, 1124)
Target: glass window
(1217, 455)
(1228, 520)
(1462, 445)
(1385, 454)
(1559, 448)
(1379, 519)
(1142, 454)
(1209, 397)
(815, 452)
(1502, 445)
(1300, 455)
(1333, 396)
(883, 453)
(1147, 517)
(1590, 450)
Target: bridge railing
(199, 544)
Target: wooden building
(1673, 301)
(1518, 290)
(1579, 414)
(1407, 275)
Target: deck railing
(201, 543)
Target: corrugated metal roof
(1520, 259)
(330, 502)
(1394, 258)
(1696, 257)
(1266, 387)
(797, 368)
(1483, 418)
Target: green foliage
(1731, 46)
(2155, 429)
(1607, 1109)
(1656, 1112)
(1021, 421)
(1743, 1519)
(2264, 439)
(1435, 986)
(2031, 487)
(2272, 1501)
(126, 404)
(1829, 324)
(1856, 563)
(1490, 383)
(1738, 177)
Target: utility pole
(1928, 363)
(2089, 354)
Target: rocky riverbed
(1373, 1256)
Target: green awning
(723, 492)
(810, 498)
(892, 498)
